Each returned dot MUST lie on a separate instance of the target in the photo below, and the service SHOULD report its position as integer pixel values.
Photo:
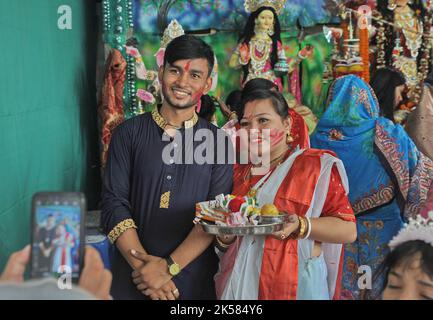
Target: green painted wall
(48, 121)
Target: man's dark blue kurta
(136, 176)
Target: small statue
(260, 52)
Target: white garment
(243, 282)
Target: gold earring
(289, 138)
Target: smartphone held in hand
(57, 237)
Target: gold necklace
(253, 191)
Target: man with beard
(148, 201)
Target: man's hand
(16, 266)
(153, 275)
(167, 292)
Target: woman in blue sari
(388, 177)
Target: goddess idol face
(401, 3)
(265, 21)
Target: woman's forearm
(332, 230)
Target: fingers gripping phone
(57, 236)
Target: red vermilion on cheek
(196, 97)
(276, 136)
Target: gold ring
(283, 236)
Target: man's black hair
(189, 47)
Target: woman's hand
(289, 227)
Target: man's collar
(162, 123)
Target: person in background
(233, 101)
(388, 86)
(420, 122)
(388, 176)
(207, 109)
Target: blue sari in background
(388, 177)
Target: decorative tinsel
(118, 21)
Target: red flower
(235, 204)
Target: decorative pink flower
(132, 51)
(146, 96)
(160, 57)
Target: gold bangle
(294, 235)
(302, 229)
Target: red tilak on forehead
(187, 66)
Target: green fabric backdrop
(48, 131)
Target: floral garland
(380, 42)
(425, 53)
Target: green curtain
(48, 120)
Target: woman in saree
(304, 259)
(388, 177)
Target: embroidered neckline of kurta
(162, 123)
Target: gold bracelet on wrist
(302, 228)
(294, 234)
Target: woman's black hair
(384, 82)
(403, 255)
(278, 102)
(233, 101)
(207, 109)
(249, 33)
(258, 84)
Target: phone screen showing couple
(56, 237)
